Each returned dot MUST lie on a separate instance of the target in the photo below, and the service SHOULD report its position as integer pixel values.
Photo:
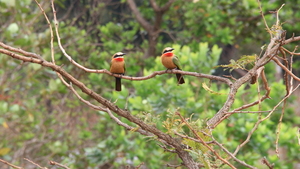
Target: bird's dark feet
(118, 74)
(169, 71)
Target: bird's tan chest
(168, 62)
(117, 67)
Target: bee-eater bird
(117, 66)
(171, 61)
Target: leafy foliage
(241, 63)
(39, 114)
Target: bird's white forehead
(119, 53)
(168, 48)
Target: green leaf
(3, 106)
(9, 3)
(14, 108)
(52, 85)
(13, 28)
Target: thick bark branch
(152, 29)
(144, 23)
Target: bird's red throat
(119, 59)
(168, 54)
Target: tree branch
(9, 164)
(58, 164)
(187, 160)
(233, 156)
(144, 23)
(173, 71)
(35, 164)
(270, 52)
(204, 143)
(161, 9)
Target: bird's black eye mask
(119, 55)
(169, 50)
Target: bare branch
(203, 142)
(174, 166)
(9, 164)
(145, 24)
(50, 28)
(139, 166)
(298, 135)
(118, 121)
(291, 53)
(286, 69)
(161, 9)
(267, 88)
(265, 161)
(166, 148)
(211, 77)
(233, 156)
(20, 51)
(279, 129)
(262, 15)
(263, 119)
(191, 138)
(35, 164)
(188, 161)
(167, 5)
(277, 16)
(248, 137)
(221, 115)
(292, 39)
(58, 164)
(248, 112)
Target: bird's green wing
(124, 67)
(176, 62)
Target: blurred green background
(40, 119)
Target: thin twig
(267, 88)
(248, 137)
(174, 165)
(261, 120)
(58, 164)
(285, 69)
(262, 15)
(50, 28)
(20, 51)
(140, 165)
(167, 149)
(265, 161)
(203, 142)
(231, 112)
(291, 53)
(118, 121)
(277, 16)
(298, 135)
(155, 73)
(191, 138)
(233, 156)
(188, 161)
(35, 164)
(225, 80)
(279, 129)
(275, 107)
(9, 164)
(289, 85)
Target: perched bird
(117, 66)
(171, 61)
